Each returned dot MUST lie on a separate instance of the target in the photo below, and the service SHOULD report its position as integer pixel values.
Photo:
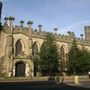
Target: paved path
(43, 83)
(38, 85)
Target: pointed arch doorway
(20, 69)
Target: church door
(20, 69)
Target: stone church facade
(19, 46)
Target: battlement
(39, 33)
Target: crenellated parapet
(39, 33)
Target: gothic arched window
(18, 48)
(35, 49)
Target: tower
(0, 10)
(0, 15)
(87, 33)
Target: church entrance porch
(20, 69)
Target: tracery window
(35, 49)
(18, 48)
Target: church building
(20, 45)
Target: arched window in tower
(18, 48)
(62, 52)
(35, 49)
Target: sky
(66, 15)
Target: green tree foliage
(79, 59)
(73, 56)
(49, 56)
(84, 61)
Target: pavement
(43, 83)
(38, 85)
(84, 81)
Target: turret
(30, 28)
(72, 34)
(69, 33)
(40, 27)
(6, 21)
(11, 19)
(55, 30)
(81, 36)
(21, 23)
(30, 39)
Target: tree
(49, 56)
(84, 61)
(79, 59)
(73, 56)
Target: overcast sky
(66, 15)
